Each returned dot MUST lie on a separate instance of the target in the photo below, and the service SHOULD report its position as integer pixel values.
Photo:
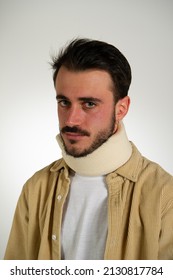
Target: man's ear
(121, 108)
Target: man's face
(86, 109)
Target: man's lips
(73, 136)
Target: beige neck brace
(108, 157)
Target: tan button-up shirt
(140, 213)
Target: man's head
(92, 79)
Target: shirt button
(53, 237)
(59, 197)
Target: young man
(103, 199)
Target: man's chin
(76, 153)
(75, 150)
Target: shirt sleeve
(166, 233)
(17, 243)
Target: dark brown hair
(84, 54)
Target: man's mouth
(74, 136)
(74, 131)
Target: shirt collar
(132, 167)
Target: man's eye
(90, 105)
(63, 103)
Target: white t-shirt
(84, 226)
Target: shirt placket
(114, 215)
(60, 197)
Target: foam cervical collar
(107, 158)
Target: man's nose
(75, 116)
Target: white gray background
(32, 30)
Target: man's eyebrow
(84, 99)
(89, 99)
(61, 96)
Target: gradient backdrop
(30, 31)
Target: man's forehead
(95, 78)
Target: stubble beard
(101, 137)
